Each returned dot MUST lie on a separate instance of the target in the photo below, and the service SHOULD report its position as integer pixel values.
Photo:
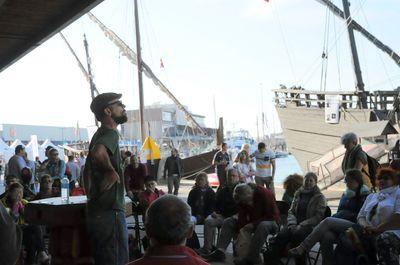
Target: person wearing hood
(379, 217)
(355, 157)
(306, 212)
(354, 196)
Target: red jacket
(147, 197)
(263, 209)
(169, 255)
(134, 177)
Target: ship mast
(89, 69)
(139, 72)
(93, 90)
(132, 57)
(356, 63)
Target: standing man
(74, 170)
(221, 161)
(104, 184)
(174, 166)
(265, 166)
(17, 162)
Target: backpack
(373, 166)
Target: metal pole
(140, 77)
(89, 69)
(356, 62)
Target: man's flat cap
(101, 101)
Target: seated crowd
(244, 211)
(21, 179)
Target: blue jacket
(350, 205)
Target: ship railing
(348, 99)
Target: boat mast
(89, 69)
(392, 54)
(139, 72)
(356, 63)
(132, 57)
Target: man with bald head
(168, 226)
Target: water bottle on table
(65, 190)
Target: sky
(233, 52)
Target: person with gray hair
(168, 226)
(257, 218)
(355, 157)
(225, 207)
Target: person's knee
(328, 239)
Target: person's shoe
(43, 258)
(217, 255)
(202, 251)
(297, 252)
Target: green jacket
(315, 209)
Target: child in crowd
(245, 169)
(14, 202)
(46, 188)
(150, 194)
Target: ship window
(166, 116)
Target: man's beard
(121, 119)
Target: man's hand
(109, 180)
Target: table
(69, 241)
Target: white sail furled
(132, 57)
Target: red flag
(161, 63)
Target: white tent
(6, 152)
(15, 143)
(47, 143)
(32, 148)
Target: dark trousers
(286, 238)
(221, 178)
(33, 241)
(173, 183)
(108, 237)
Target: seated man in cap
(104, 184)
(168, 225)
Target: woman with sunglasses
(379, 217)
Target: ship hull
(309, 137)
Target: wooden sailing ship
(310, 128)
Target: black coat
(208, 203)
(170, 164)
(225, 204)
